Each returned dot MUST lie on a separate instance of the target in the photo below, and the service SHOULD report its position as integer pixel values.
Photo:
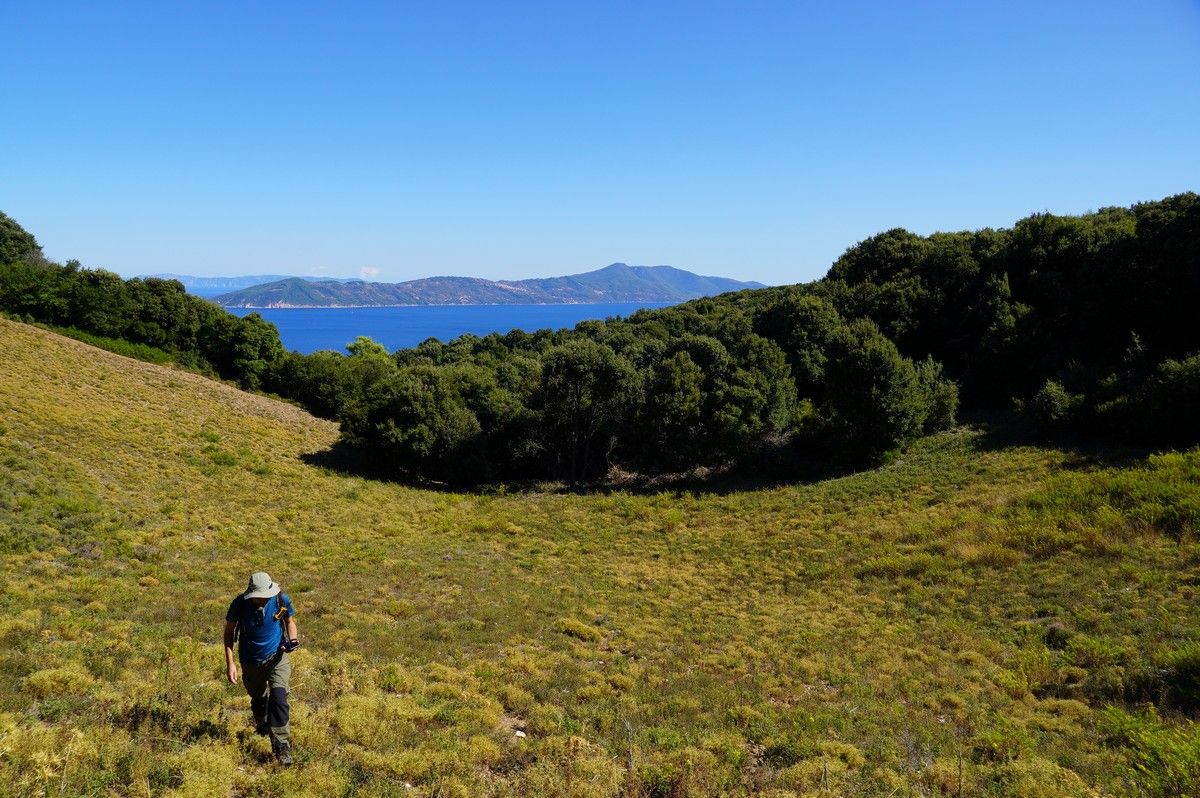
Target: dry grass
(881, 634)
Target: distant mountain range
(212, 286)
(615, 283)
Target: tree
(34, 289)
(358, 377)
(254, 349)
(511, 442)
(365, 347)
(880, 258)
(100, 303)
(874, 402)
(161, 314)
(587, 393)
(803, 326)
(319, 381)
(414, 423)
(941, 396)
(672, 416)
(17, 244)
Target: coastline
(282, 306)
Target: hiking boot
(283, 751)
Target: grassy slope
(880, 634)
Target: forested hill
(211, 286)
(614, 283)
(1086, 323)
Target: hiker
(263, 622)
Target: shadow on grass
(1007, 430)
(769, 467)
(350, 461)
(342, 458)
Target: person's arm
(290, 637)
(230, 663)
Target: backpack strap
(237, 625)
(281, 610)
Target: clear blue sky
(505, 140)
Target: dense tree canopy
(159, 313)
(1086, 322)
(16, 243)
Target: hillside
(213, 286)
(954, 623)
(1082, 322)
(614, 283)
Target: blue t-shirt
(259, 634)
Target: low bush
(1163, 760)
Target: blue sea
(307, 330)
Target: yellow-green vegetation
(969, 620)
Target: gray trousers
(267, 684)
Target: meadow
(978, 617)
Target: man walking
(263, 622)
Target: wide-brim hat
(261, 586)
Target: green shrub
(580, 630)
(941, 396)
(874, 401)
(1053, 408)
(1163, 760)
(1161, 409)
(63, 681)
(1037, 777)
(1180, 675)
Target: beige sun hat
(260, 586)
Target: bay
(308, 330)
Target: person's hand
(231, 673)
(290, 645)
